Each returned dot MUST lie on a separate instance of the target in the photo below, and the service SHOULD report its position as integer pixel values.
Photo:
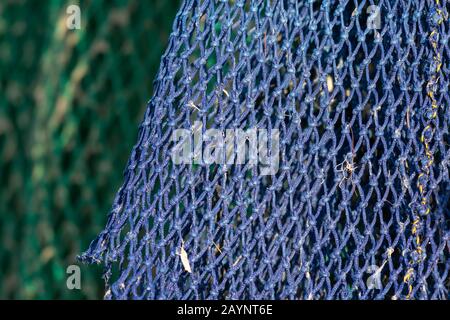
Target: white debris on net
(184, 259)
(374, 281)
(107, 294)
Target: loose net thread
(359, 206)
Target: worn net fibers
(357, 92)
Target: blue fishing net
(351, 99)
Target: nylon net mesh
(70, 104)
(358, 207)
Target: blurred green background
(70, 105)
